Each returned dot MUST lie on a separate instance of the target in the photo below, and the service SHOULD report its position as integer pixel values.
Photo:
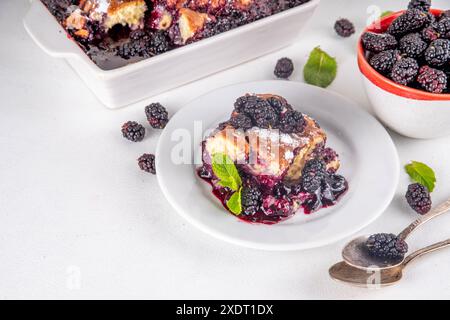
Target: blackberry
(241, 121)
(284, 68)
(412, 45)
(438, 53)
(138, 46)
(377, 42)
(445, 14)
(280, 190)
(312, 175)
(386, 246)
(247, 104)
(410, 21)
(328, 155)
(384, 61)
(277, 104)
(159, 42)
(147, 163)
(405, 71)
(418, 198)
(251, 200)
(429, 34)
(157, 115)
(337, 183)
(432, 80)
(344, 28)
(292, 121)
(423, 5)
(133, 131)
(205, 172)
(264, 115)
(443, 27)
(139, 34)
(223, 24)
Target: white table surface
(78, 219)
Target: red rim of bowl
(381, 81)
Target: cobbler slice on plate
(280, 156)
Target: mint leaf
(231, 184)
(422, 174)
(234, 203)
(321, 69)
(224, 169)
(386, 13)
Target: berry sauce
(277, 206)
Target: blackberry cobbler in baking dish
(269, 160)
(116, 32)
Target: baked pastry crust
(269, 152)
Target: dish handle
(48, 34)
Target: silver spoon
(355, 252)
(379, 276)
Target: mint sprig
(234, 203)
(421, 173)
(320, 69)
(228, 175)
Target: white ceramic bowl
(129, 84)
(410, 112)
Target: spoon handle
(442, 208)
(421, 252)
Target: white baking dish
(134, 82)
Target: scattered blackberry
(251, 200)
(138, 46)
(429, 34)
(438, 53)
(405, 71)
(264, 115)
(386, 246)
(344, 28)
(241, 121)
(384, 61)
(377, 42)
(443, 27)
(312, 175)
(423, 5)
(432, 80)
(410, 21)
(133, 131)
(147, 163)
(284, 68)
(418, 198)
(292, 121)
(157, 115)
(412, 45)
(159, 42)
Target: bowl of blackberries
(404, 58)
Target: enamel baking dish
(123, 86)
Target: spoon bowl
(343, 272)
(376, 276)
(355, 254)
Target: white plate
(369, 162)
